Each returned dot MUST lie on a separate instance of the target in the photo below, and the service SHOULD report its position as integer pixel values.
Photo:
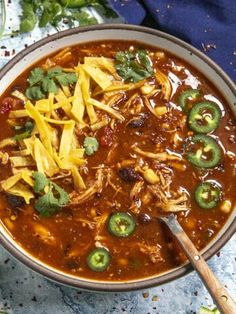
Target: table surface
(23, 291)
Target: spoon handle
(220, 295)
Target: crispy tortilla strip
(21, 161)
(16, 93)
(101, 78)
(114, 113)
(20, 189)
(66, 139)
(44, 131)
(100, 124)
(10, 182)
(44, 161)
(78, 180)
(29, 143)
(103, 63)
(53, 121)
(61, 97)
(15, 114)
(78, 105)
(43, 105)
(8, 142)
(85, 88)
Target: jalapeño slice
(190, 94)
(207, 194)
(121, 224)
(98, 259)
(204, 117)
(203, 151)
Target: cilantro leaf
(53, 198)
(48, 85)
(28, 17)
(133, 66)
(50, 10)
(44, 82)
(84, 18)
(47, 205)
(66, 78)
(40, 181)
(34, 92)
(90, 145)
(28, 128)
(54, 72)
(36, 75)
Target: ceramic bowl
(117, 32)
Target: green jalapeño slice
(203, 151)
(121, 224)
(208, 194)
(204, 117)
(99, 259)
(187, 95)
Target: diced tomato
(106, 139)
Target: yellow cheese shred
(45, 163)
(66, 139)
(42, 126)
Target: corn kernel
(150, 176)
(226, 206)
(160, 111)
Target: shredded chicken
(153, 252)
(79, 198)
(167, 203)
(163, 80)
(109, 181)
(164, 156)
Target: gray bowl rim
(122, 286)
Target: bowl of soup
(103, 130)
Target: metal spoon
(220, 295)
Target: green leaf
(36, 75)
(47, 205)
(66, 78)
(84, 18)
(54, 196)
(133, 66)
(34, 92)
(90, 145)
(50, 10)
(40, 181)
(27, 128)
(54, 72)
(28, 17)
(49, 86)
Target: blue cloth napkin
(209, 25)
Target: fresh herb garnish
(53, 198)
(28, 17)
(55, 11)
(27, 130)
(133, 66)
(42, 82)
(90, 145)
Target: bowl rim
(122, 286)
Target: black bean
(15, 201)
(128, 174)
(136, 123)
(144, 218)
